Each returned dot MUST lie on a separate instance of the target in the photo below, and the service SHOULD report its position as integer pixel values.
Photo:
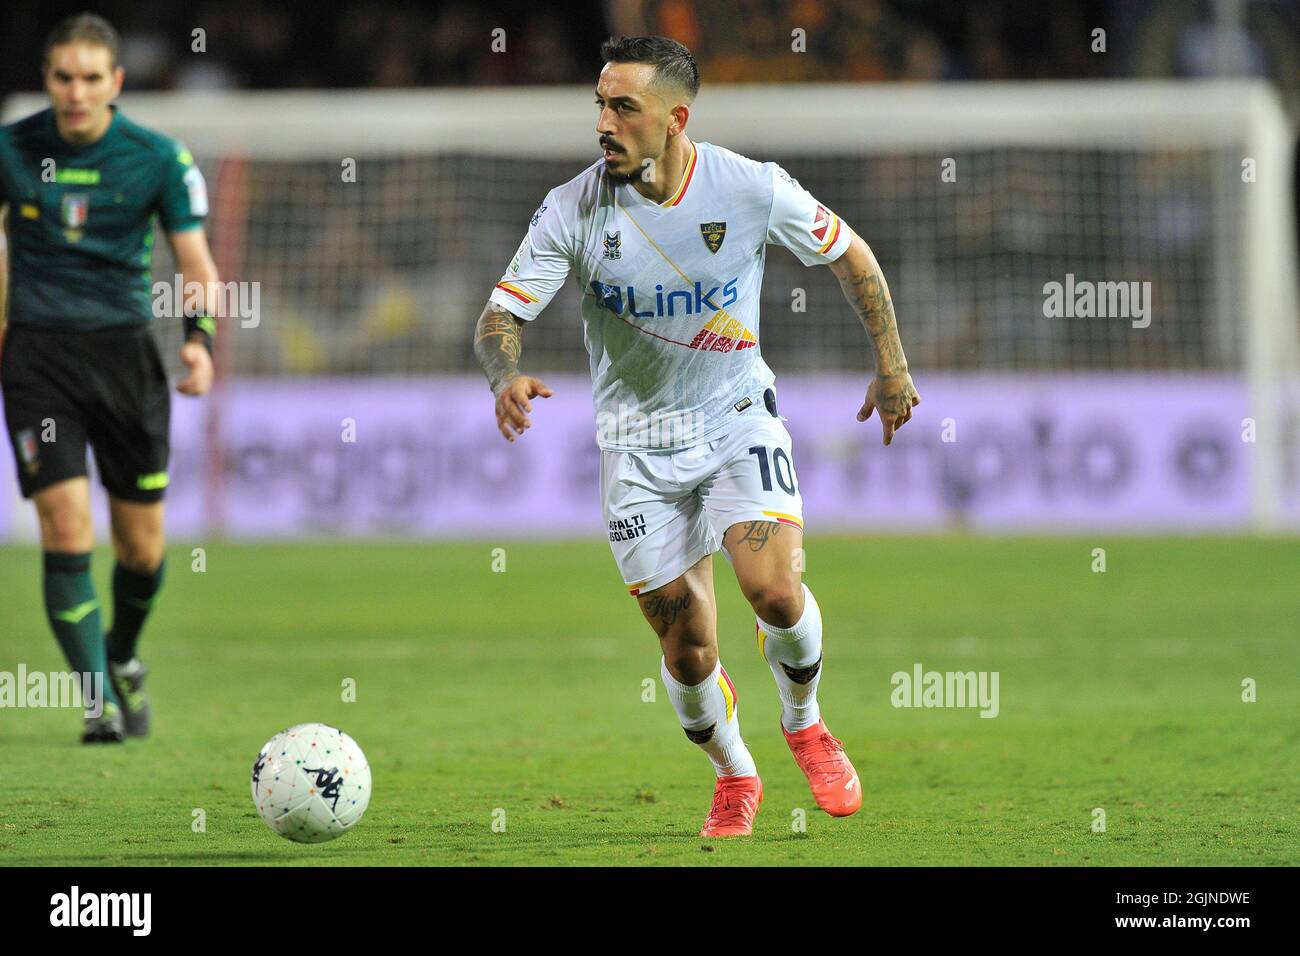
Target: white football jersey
(670, 291)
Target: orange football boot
(735, 801)
(821, 757)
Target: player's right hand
(893, 397)
(513, 404)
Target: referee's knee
(140, 554)
(66, 529)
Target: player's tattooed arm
(869, 296)
(497, 347)
(864, 286)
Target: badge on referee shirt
(713, 233)
(75, 208)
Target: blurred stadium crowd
(987, 246)
(390, 43)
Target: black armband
(201, 328)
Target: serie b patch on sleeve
(821, 222)
(825, 228)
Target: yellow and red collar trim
(676, 197)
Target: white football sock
(707, 712)
(795, 656)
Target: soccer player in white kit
(666, 237)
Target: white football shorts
(665, 510)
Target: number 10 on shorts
(785, 478)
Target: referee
(79, 187)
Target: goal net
(1097, 233)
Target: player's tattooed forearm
(666, 609)
(497, 344)
(758, 533)
(869, 297)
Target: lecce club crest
(713, 233)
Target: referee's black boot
(128, 681)
(107, 728)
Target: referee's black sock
(73, 612)
(133, 594)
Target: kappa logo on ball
(328, 782)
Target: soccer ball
(311, 783)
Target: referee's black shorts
(105, 387)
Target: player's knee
(778, 601)
(690, 663)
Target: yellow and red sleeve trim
(635, 589)
(676, 197)
(517, 292)
(834, 234)
(785, 518)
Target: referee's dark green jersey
(80, 366)
(81, 232)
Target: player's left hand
(893, 397)
(199, 362)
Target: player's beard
(621, 179)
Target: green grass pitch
(522, 691)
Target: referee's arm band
(202, 326)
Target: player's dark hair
(84, 28)
(673, 63)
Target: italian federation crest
(713, 233)
(76, 207)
